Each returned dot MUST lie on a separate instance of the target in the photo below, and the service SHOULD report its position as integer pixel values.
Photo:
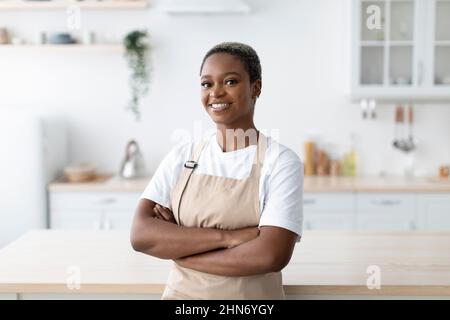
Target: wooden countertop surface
(109, 183)
(324, 263)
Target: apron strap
(189, 167)
(260, 154)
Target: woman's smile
(218, 107)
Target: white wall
(304, 47)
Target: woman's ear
(257, 89)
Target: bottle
(310, 150)
(350, 159)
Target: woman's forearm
(270, 252)
(167, 240)
(243, 260)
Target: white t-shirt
(280, 187)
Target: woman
(228, 211)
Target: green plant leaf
(136, 53)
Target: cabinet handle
(309, 201)
(105, 201)
(386, 202)
(420, 73)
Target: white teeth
(219, 106)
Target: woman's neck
(232, 139)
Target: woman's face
(226, 92)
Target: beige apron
(200, 200)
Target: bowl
(80, 172)
(61, 38)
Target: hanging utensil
(410, 142)
(399, 117)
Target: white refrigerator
(33, 151)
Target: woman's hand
(163, 213)
(233, 239)
(239, 236)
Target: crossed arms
(241, 252)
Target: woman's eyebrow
(232, 72)
(225, 74)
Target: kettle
(133, 166)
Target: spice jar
(444, 171)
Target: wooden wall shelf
(63, 4)
(64, 47)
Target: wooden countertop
(376, 184)
(324, 263)
(109, 183)
(103, 183)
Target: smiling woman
(227, 210)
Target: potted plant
(136, 53)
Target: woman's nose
(216, 91)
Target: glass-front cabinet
(401, 50)
(441, 45)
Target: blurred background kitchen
(359, 89)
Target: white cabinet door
(434, 212)
(328, 211)
(76, 219)
(118, 220)
(438, 43)
(386, 211)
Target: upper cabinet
(401, 50)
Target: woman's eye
(231, 82)
(205, 84)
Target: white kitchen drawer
(318, 221)
(328, 202)
(434, 212)
(380, 203)
(81, 219)
(91, 201)
(385, 222)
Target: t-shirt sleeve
(284, 195)
(165, 177)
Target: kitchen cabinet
(92, 210)
(401, 50)
(434, 212)
(385, 211)
(362, 203)
(328, 211)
